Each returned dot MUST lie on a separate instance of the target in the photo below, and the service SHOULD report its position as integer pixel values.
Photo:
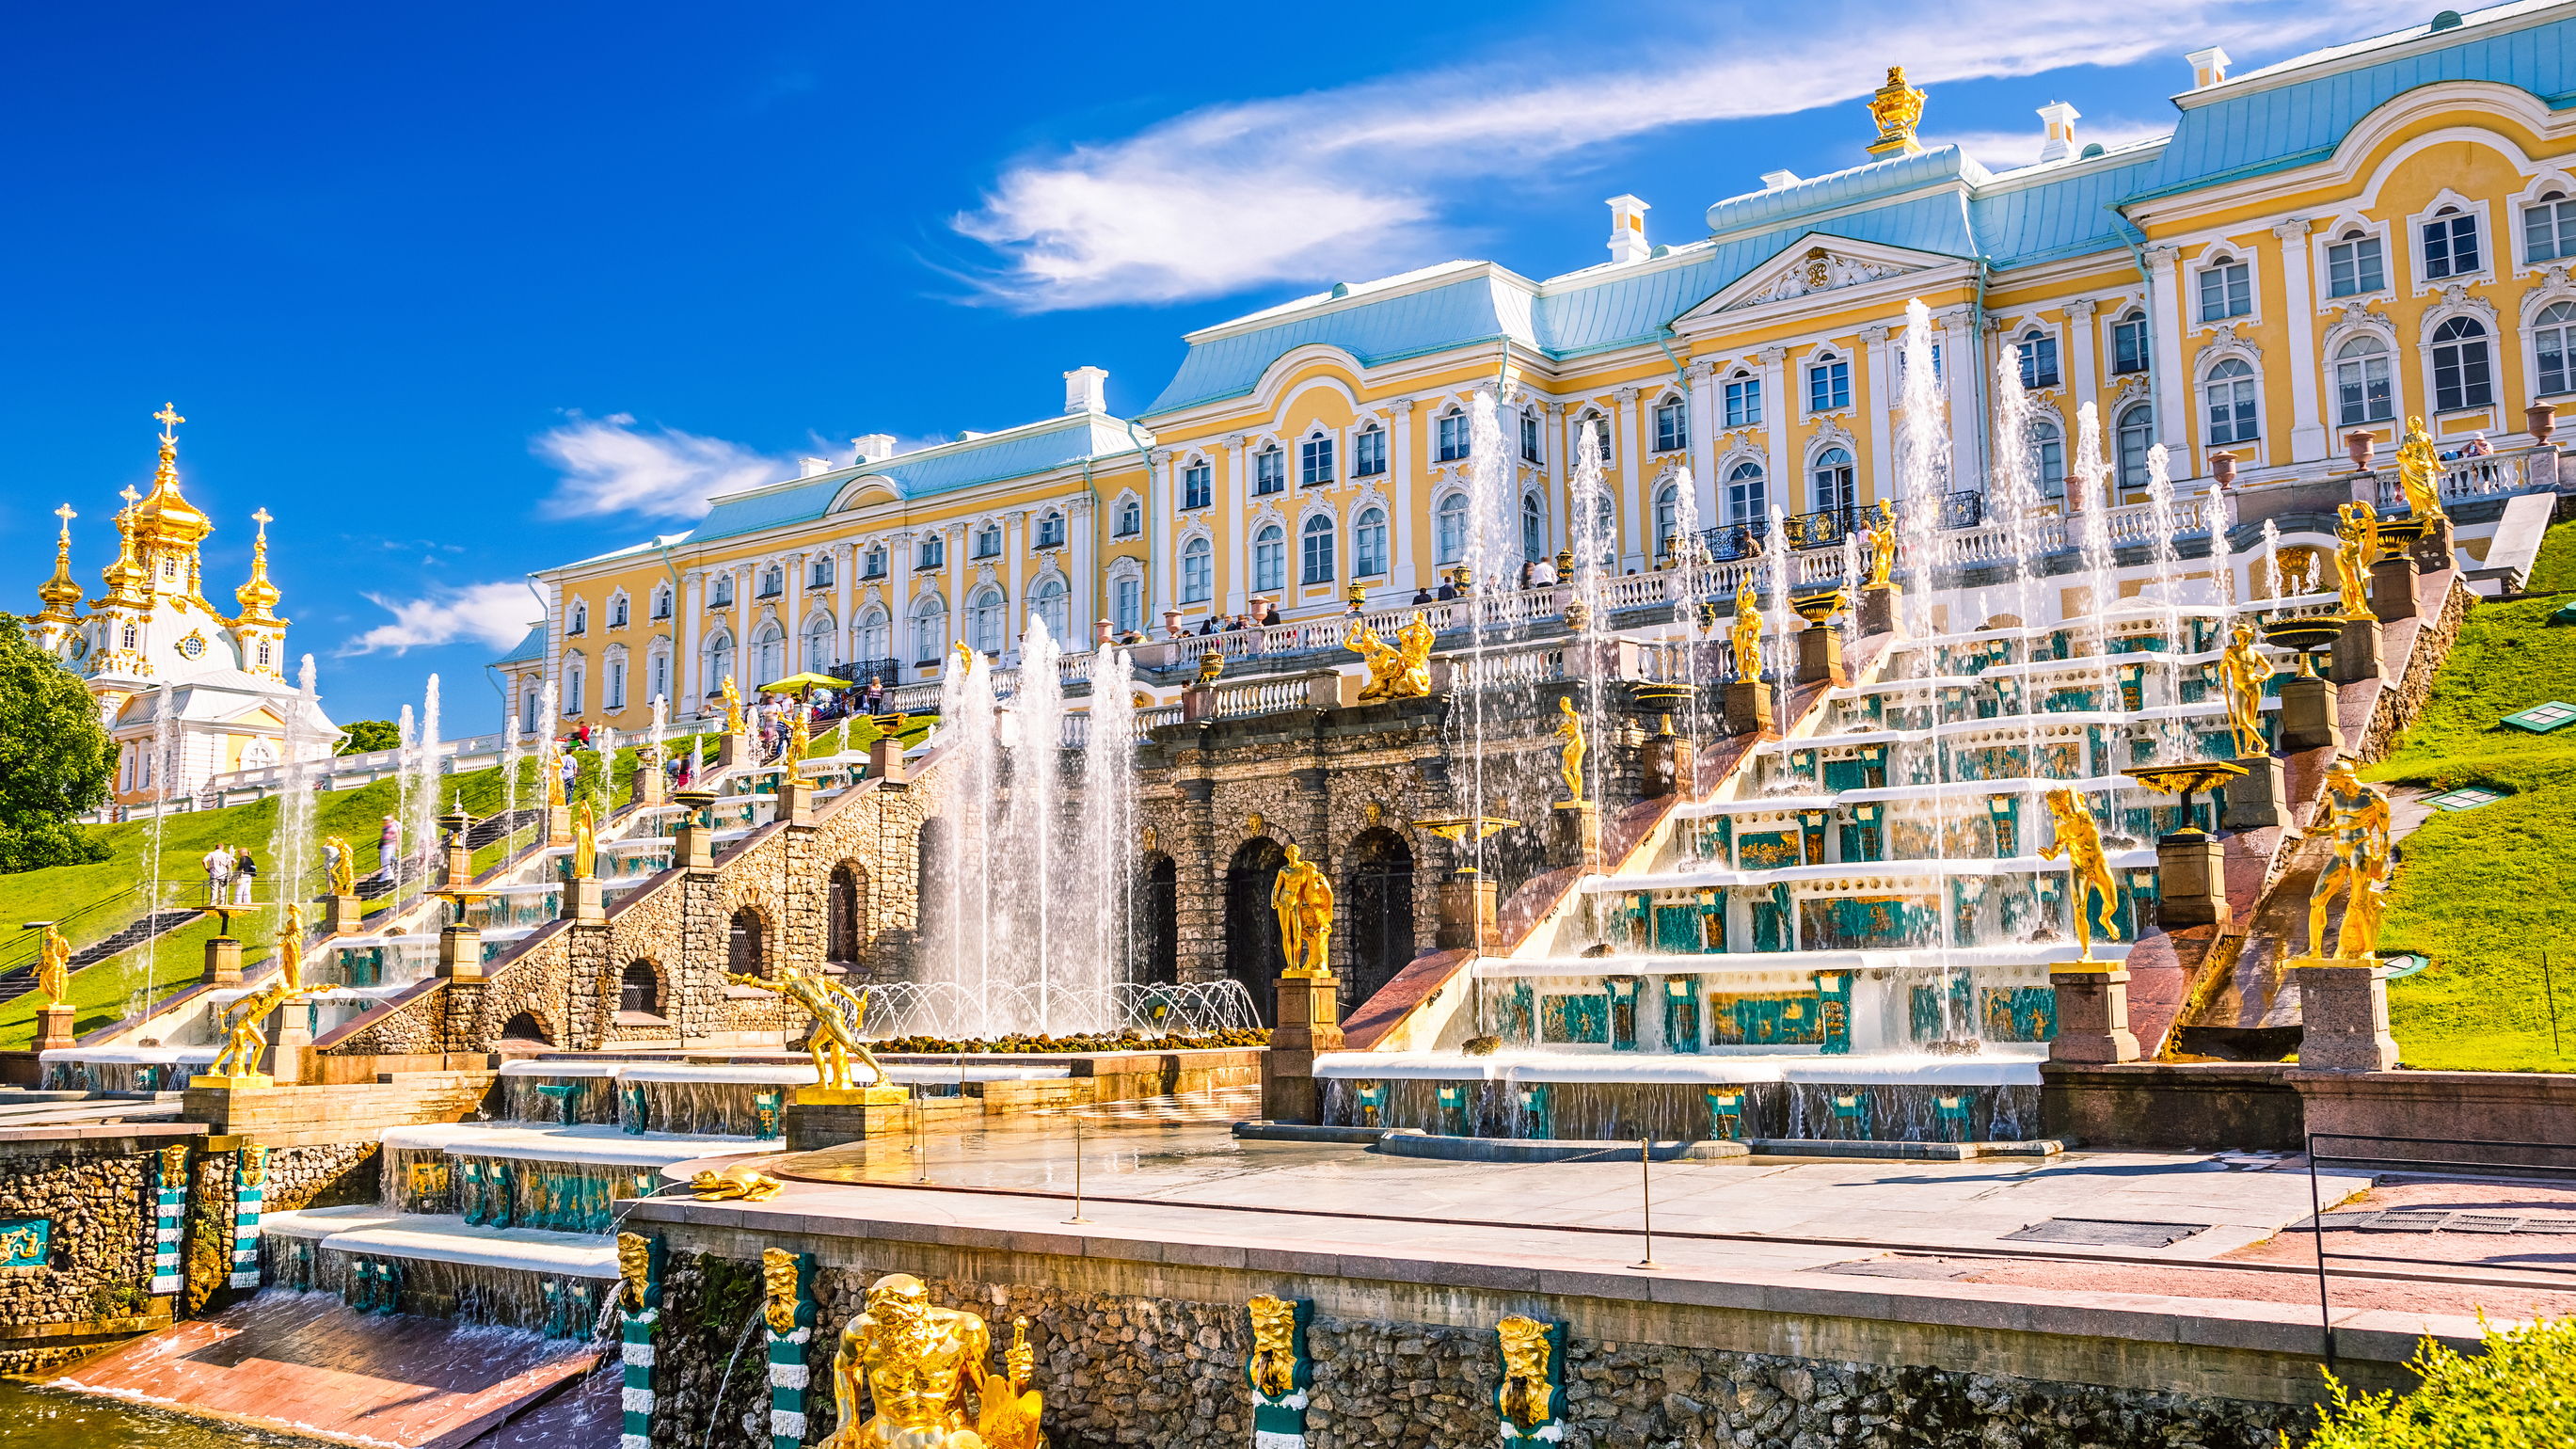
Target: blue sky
(460, 292)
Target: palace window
(2362, 392)
(1315, 461)
(1198, 572)
(1270, 559)
(661, 676)
(934, 551)
(1316, 549)
(1905, 365)
(1743, 401)
(1533, 529)
(1451, 521)
(773, 582)
(1197, 489)
(1368, 544)
(1599, 428)
(1829, 384)
(1453, 436)
(819, 637)
(130, 636)
(873, 639)
(2461, 376)
(1131, 518)
(2129, 343)
(1128, 606)
(1269, 470)
(872, 564)
(2137, 436)
(1833, 477)
(1368, 452)
(580, 620)
(572, 691)
(1052, 607)
(2353, 266)
(616, 684)
(986, 619)
(1672, 423)
(617, 612)
(819, 576)
(722, 596)
(2451, 244)
(2048, 457)
(2038, 359)
(1747, 501)
(929, 629)
(2553, 341)
(2549, 229)
(662, 603)
(1530, 451)
(1668, 503)
(719, 662)
(1050, 529)
(988, 541)
(2231, 402)
(2226, 289)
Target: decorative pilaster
(639, 1317)
(1529, 1406)
(789, 1316)
(170, 1207)
(1278, 1371)
(249, 1191)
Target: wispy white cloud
(494, 614)
(1358, 180)
(611, 466)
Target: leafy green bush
(2519, 1394)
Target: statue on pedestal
(1304, 900)
(2356, 549)
(240, 1022)
(1569, 762)
(1399, 672)
(2360, 822)
(1747, 636)
(53, 965)
(839, 1014)
(341, 865)
(2088, 871)
(733, 707)
(585, 844)
(913, 1364)
(1881, 541)
(2419, 471)
(2243, 671)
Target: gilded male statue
(1303, 899)
(2242, 672)
(1008, 1410)
(2359, 824)
(733, 707)
(839, 1015)
(914, 1364)
(342, 865)
(2088, 871)
(1881, 542)
(1527, 1400)
(240, 1022)
(585, 843)
(1399, 672)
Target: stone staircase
(20, 980)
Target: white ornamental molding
(1820, 270)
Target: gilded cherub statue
(1400, 672)
(54, 965)
(2419, 471)
(2360, 825)
(585, 843)
(1747, 635)
(839, 1015)
(733, 706)
(1010, 1409)
(1303, 899)
(913, 1364)
(2356, 549)
(1569, 760)
(2088, 871)
(2242, 672)
(341, 864)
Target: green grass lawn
(2490, 894)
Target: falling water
(1691, 584)
(2170, 736)
(1037, 780)
(1784, 646)
(292, 857)
(406, 786)
(604, 742)
(510, 767)
(2272, 560)
(1109, 813)
(2015, 484)
(422, 819)
(1594, 533)
(1922, 465)
(1493, 545)
(163, 764)
(2090, 472)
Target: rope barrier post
(1077, 1173)
(2317, 1226)
(920, 1142)
(1646, 1195)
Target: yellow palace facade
(2320, 249)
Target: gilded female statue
(1569, 760)
(2419, 471)
(2356, 549)
(1748, 637)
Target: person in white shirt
(219, 869)
(1542, 575)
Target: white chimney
(813, 467)
(2060, 119)
(2208, 67)
(1628, 230)
(1774, 180)
(1086, 390)
(875, 447)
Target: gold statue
(2360, 824)
(1211, 665)
(913, 1363)
(343, 865)
(174, 1166)
(2419, 471)
(1569, 760)
(733, 706)
(2242, 671)
(1881, 542)
(798, 736)
(240, 1021)
(254, 1165)
(1748, 637)
(53, 965)
(585, 843)
(290, 947)
(2356, 549)
(550, 761)
(1401, 672)
(735, 1182)
(778, 1274)
(1010, 1408)
(1273, 1369)
(1898, 109)
(2088, 872)
(1304, 901)
(1526, 1398)
(839, 1015)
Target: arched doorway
(1251, 928)
(639, 990)
(1379, 886)
(744, 951)
(1158, 922)
(846, 901)
(526, 1027)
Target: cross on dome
(169, 418)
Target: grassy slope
(2489, 893)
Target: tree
(372, 734)
(56, 760)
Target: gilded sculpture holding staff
(1303, 899)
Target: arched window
(1668, 502)
(769, 657)
(2549, 229)
(1743, 400)
(659, 670)
(1131, 518)
(1828, 383)
(662, 602)
(929, 629)
(819, 653)
(818, 575)
(986, 616)
(639, 991)
(1450, 519)
(2362, 392)
(1672, 420)
(1368, 452)
(2137, 435)
(2354, 266)
(1533, 528)
(2226, 289)
(1269, 470)
(1050, 529)
(846, 914)
(1368, 544)
(1049, 605)
(2232, 414)
(1453, 436)
(2451, 244)
(617, 682)
(1315, 550)
(580, 619)
(2461, 375)
(988, 541)
(1531, 451)
(871, 641)
(1315, 459)
(1832, 472)
(872, 563)
(131, 636)
(1270, 559)
(2553, 341)
(572, 690)
(720, 662)
(745, 944)
(1746, 500)
(1198, 572)
(2048, 457)
(1599, 427)
(617, 612)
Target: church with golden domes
(152, 642)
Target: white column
(1639, 528)
(2308, 439)
(1238, 565)
(1161, 515)
(1881, 470)
(792, 617)
(1085, 603)
(2083, 372)
(742, 585)
(845, 565)
(1777, 406)
(691, 689)
(1008, 571)
(1558, 470)
(959, 629)
(1704, 418)
(1962, 354)
(2173, 393)
(555, 623)
(1412, 533)
(898, 584)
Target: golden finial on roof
(61, 593)
(259, 596)
(124, 577)
(165, 519)
(1898, 109)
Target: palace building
(2320, 249)
(225, 674)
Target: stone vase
(2541, 419)
(2359, 443)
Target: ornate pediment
(1817, 269)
